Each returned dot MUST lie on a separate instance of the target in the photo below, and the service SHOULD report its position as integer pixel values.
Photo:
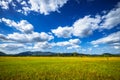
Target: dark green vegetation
(39, 53)
(59, 68)
(2, 54)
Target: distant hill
(36, 53)
(109, 54)
(2, 53)
(39, 53)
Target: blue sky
(84, 26)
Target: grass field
(59, 68)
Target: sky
(62, 26)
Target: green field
(59, 68)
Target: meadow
(59, 68)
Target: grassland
(59, 68)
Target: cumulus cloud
(64, 32)
(20, 41)
(81, 28)
(11, 46)
(45, 37)
(27, 34)
(2, 37)
(74, 47)
(85, 26)
(27, 38)
(112, 38)
(75, 41)
(46, 6)
(70, 44)
(40, 6)
(112, 18)
(42, 46)
(95, 45)
(23, 26)
(117, 47)
(116, 44)
(5, 4)
(17, 37)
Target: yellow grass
(59, 68)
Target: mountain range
(39, 53)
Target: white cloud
(40, 6)
(17, 37)
(74, 47)
(112, 38)
(27, 35)
(75, 41)
(116, 44)
(28, 38)
(70, 44)
(85, 26)
(11, 46)
(117, 47)
(23, 26)
(95, 45)
(112, 18)
(42, 46)
(3, 37)
(64, 43)
(64, 32)
(46, 6)
(5, 4)
(23, 42)
(81, 28)
(44, 36)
